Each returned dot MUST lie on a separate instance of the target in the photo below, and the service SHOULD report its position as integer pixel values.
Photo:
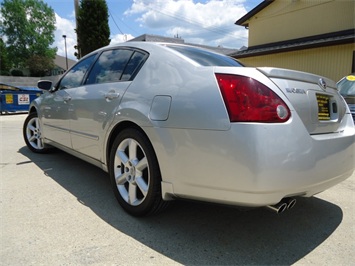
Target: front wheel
(135, 174)
(32, 133)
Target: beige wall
(26, 81)
(333, 62)
(292, 19)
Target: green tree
(5, 63)
(40, 66)
(92, 26)
(29, 29)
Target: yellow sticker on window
(350, 78)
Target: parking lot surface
(58, 210)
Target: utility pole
(66, 55)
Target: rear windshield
(204, 57)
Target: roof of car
(148, 46)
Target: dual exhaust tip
(283, 205)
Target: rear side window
(205, 57)
(133, 65)
(110, 66)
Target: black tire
(135, 174)
(32, 134)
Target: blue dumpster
(17, 99)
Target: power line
(115, 21)
(213, 29)
(225, 31)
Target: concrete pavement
(58, 210)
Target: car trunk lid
(315, 99)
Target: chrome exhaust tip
(278, 208)
(291, 202)
(283, 205)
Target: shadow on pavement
(197, 233)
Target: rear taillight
(247, 100)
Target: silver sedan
(170, 121)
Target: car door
(56, 107)
(94, 104)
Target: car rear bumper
(254, 164)
(248, 198)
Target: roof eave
(343, 37)
(243, 20)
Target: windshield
(347, 86)
(205, 57)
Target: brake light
(248, 100)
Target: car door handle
(111, 95)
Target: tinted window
(109, 67)
(75, 75)
(204, 57)
(133, 65)
(347, 87)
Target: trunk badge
(322, 84)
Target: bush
(4, 73)
(17, 73)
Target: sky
(208, 22)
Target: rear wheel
(135, 174)
(32, 133)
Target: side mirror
(44, 85)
